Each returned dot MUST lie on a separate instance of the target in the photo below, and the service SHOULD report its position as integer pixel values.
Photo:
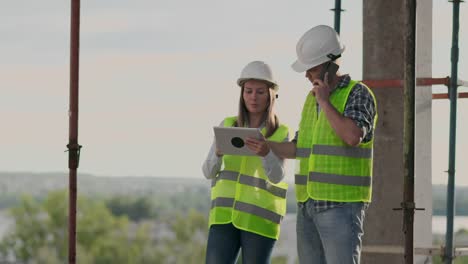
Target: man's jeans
(224, 242)
(331, 236)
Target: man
(333, 149)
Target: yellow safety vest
(327, 168)
(241, 193)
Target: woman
(248, 199)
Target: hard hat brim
(300, 67)
(240, 81)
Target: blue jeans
(331, 236)
(224, 242)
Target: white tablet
(231, 140)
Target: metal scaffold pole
(337, 11)
(73, 146)
(452, 135)
(408, 204)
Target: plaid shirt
(360, 107)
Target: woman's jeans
(330, 236)
(224, 242)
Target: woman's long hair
(270, 118)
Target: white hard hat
(257, 70)
(318, 45)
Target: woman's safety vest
(326, 167)
(241, 193)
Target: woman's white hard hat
(318, 45)
(257, 70)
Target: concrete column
(383, 59)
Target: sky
(156, 76)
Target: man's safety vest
(241, 193)
(326, 167)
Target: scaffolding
(73, 146)
(449, 251)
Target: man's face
(314, 73)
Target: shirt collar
(343, 81)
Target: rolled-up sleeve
(360, 107)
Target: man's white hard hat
(318, 45)
(257, 70)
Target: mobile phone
(331, 68)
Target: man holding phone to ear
(333, 151)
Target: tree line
(121, 229)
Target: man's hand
(258, 146)
(321, 89)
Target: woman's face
(256, 96)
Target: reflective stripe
(340, 179)
(258, 211)
(302, 152)
(247, 208)
(352, 152)
(225, 175)
(222, 202)
(262, 184)
(228, 175)
(300, 179)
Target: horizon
(86, 174)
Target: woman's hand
(258, 146)
(219, 153)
